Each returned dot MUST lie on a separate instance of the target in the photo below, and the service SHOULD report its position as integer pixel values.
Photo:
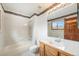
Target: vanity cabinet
(50, 51)
(47, 50)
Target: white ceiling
(26, 9)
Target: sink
(58, 43)
(59, 46)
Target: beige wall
(0, 20)
(1, 27)
(56, 33)
(15, 30)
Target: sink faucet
(58, 40)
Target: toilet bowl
(34, 49)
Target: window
(57, 25)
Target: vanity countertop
(64, 45)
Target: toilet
(34, 48)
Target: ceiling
(27, 9)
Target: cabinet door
(50, 51)
(42, 49)
(47, 53)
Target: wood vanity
(47, 50)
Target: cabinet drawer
(61, 53)
(47, 53)
(51, 51)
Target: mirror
(63, 23)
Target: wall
(63, 11)
(0, 21)
(56, 33)
(1, 27)
(15, 29)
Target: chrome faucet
(58, 40)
